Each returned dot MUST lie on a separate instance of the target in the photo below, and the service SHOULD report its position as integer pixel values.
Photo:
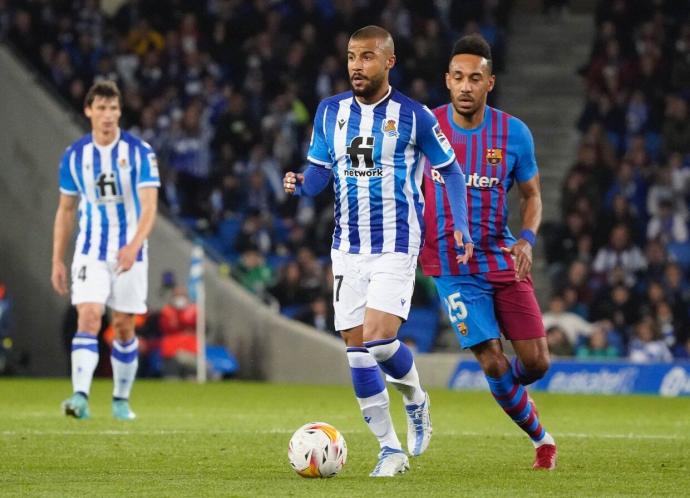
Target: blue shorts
(482, 305)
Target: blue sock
(397, 362)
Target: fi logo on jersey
(107, 188)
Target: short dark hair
(473, 44)
(106, 88)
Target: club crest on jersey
(390, 128)
(122, 163)
(494, 156)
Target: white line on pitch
(165, 432)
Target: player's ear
(492, 82)
(390, 62)
(87, 111)
(448, 81)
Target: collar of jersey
(371, 106)
(111, 144)
(460, 129)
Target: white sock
(84, 361)
(396, 356)
(125, 359)
(375, 410)
(547, 439)
(367, 378)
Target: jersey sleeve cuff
(148, 184)
(69, 192)
(325, 164)
(442, 165)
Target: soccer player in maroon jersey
(493, 292)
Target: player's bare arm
(62, 231)
(531, 212)
(149, 205)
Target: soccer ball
(317, 450)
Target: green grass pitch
(230, 439)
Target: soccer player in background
(493, 292)
(371, 140)
(111, 177)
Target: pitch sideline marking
(163, 432)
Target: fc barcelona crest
(494, 156)
(390, 127)
(462, 328)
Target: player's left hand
(126, 258)
(468, 246)
(521, 251)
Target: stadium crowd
(621, 256)
(224, 90)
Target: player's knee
(493, 362)
(89, 320)
(123, 324)
(537, 366)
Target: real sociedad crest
(390, 127)
(494, 156)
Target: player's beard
(469, 113)
(370, 89)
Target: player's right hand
(468, 246)
(58, 277)
(291, 180)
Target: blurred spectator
(619, 253)
(647, 347)
(288, 290)
(558, 342)
(319, 315)
(177, 324)
(253, 273)
(597, 345)
(5, 330)
(572, 325)
(666, 225)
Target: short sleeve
(148, 170)
(431, 140)
(318, 146)
(523, 145)
(67, 184)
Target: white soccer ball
(317, 450)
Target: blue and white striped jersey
(375, 153)
(107, 179)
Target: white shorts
(382, 282)
(96, 281)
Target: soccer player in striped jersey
(494, 291)
(111, 178)
(371, 140)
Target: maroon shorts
(517, 310)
